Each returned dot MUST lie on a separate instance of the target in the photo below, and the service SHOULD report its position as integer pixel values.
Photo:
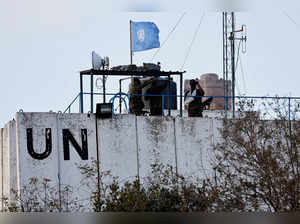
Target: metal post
(169, 109)
(289, 109)
(226, 111)
(233, 65)
(98, 161)
(120, 90)
(225, 66)
(81, 95)
(130, 41)
(103, 83)
(180, 95)
(92, 92)
(290, 124)
(163, 103)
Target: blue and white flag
(145, 36)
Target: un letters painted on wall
(67, 139)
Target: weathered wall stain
(127, 145)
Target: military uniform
(196, 106)
(156, 101)
(136, 103)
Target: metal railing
(291, 105)
(70, 105)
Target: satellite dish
(96, 61)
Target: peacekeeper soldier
(136, 103)
(156, 101)
(193, 100)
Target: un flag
(145, 36)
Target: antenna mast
(229, 51)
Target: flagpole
(130, 43)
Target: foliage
(257, 164)
(162, 191)
(40, 196)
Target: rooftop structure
(128, 71)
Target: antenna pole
(229, 58)
(225, 62)
(130, 42)
(233, 63)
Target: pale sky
(44, 44)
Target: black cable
(291, 19)
(194, 38)
(168, 35)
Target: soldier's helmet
(136, 81)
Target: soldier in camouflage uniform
(196, 106)
(156, 101)
(136, 103)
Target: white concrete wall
(127, 146)
(13, 158)
(193, 143)
(68, 169)
(155, 143)
(6, 162)
(1, 167)
(10, 160)
(28, 166)
(118, 146)
(61, 172)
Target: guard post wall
(52, 146)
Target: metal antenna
(229, 38)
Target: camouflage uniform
(136, 103)
(156, 101)
(195, 108)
